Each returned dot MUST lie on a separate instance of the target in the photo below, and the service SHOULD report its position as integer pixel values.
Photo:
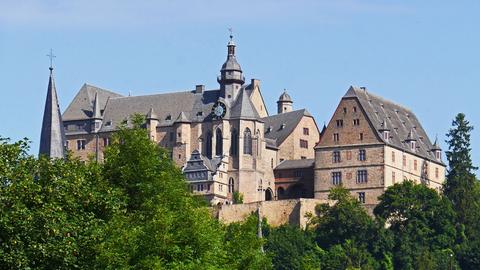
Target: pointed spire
(52, 138)
(151, 114)
(96, 108)
(411, 135)
(182, 118)
(436, 147)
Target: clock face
(219, 109)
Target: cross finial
(231, 32)
(51, 56)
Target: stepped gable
(81, 107)
(401, 122)
(278, 127)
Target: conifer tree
(460, 186)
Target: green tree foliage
(420, 220)
(52, 212)
(162, 225)
(292, 248)
(244, 247)
(237, 197)
(461, 186)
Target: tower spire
(52, 138)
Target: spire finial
(51, 56)
(230, 29)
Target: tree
(461, 186)
(162, 225)
(52, 212)
(292, 248)
(419, 218)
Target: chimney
(255, 83)
(199, 88)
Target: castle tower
(231, 76)
(52, 138)
(284, 103)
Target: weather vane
(231, 32)
(51, 56)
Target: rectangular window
(336, 137)
(360, 136)
(336, 157)
(362, 176)
(361, 197)
(306, 131)
(437, 174)
(172, 136)
(220, 187)
(393, 177)
(340, 123)
(349, 155)
(393, 157)
(303, 144)
(208, 187)
(404, 161)
(344, 110)
(336, 178)
(415, 165)
(106, 141)
(362, 155)
(354, 109)
(81, 144)
(356, 122)
(298, 173)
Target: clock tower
(231, 76)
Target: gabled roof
(295, 164)
(243, 107)
(81, 107)
(280, 126)
(402, 122)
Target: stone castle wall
(276, 212)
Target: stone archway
(268, 194)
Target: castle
(226, 142)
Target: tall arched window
(231, 183)
(219, 143)
(247, 142)
(234, 143)
(208, 145)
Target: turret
(97, 115)
(284, 103)
(231, 76)
(436, 150)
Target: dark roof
(52, 137)
(285, 96)
(168, 107)
(81, 107)
(243, 107)
(280, 126)
(295, 164)
(402, 122)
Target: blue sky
(422, 54)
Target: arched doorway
(268, 194)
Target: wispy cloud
(89, 14)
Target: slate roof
(401, 122)
(280, 126)
(295, 164)
(243, 107)
(52, 137)
(81, 107)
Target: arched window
(208, 145)
(234, 143)
(247, 142)
(219, 143)
(231, 185)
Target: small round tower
(284, 103)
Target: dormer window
(413, 145)
(283, 126)
(386, 135)
(168, 118)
